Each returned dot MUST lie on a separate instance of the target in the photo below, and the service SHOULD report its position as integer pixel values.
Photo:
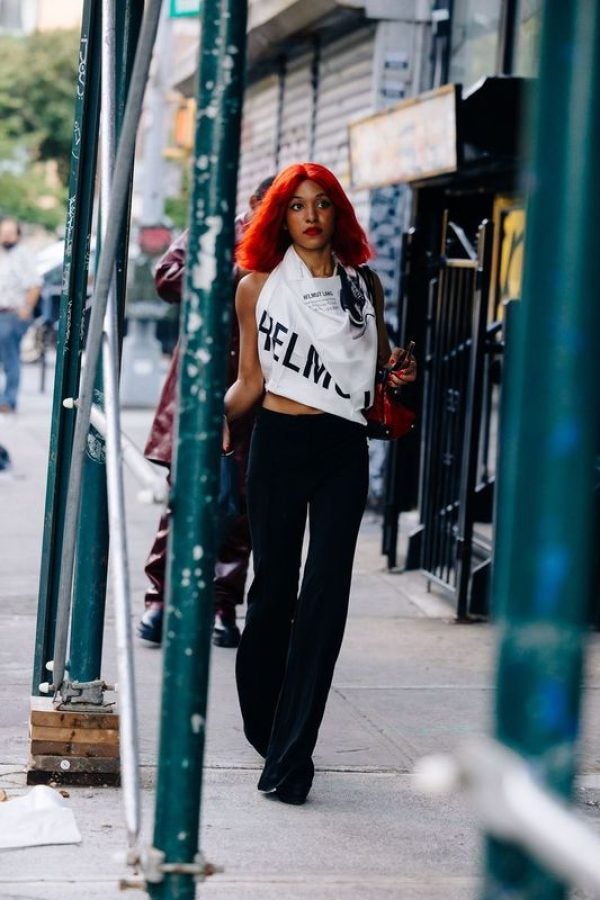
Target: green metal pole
(89, 583)
(68, 360)
(205, 336)
(544, 552)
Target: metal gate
(455, 482)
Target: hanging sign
(413, 140)
(181, 8)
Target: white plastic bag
(39, 817)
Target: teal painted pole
(544, 552)
(90, 577)
(204, 344)
(68, 359)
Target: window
(17, 16)
(10, 16)
(528, 44)
(475, 26)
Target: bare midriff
(289, 407)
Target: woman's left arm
(386, 357)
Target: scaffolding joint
(155, 867)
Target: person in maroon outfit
(234, 552)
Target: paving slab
(409, 681)
(359, 832)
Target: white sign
(181, 8)
(412, 140)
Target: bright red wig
(265, 241)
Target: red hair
(265, 240)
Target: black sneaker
(150, 627)
(226, 633)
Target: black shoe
(226, 633)
(290, 793)
(151, 625)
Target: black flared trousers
(299, 465)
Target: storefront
(460, 153)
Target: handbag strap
(369, 277)
(367, 274)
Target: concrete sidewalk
(408, 682)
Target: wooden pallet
(72, 747)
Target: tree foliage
(176, 208)
(28, 198)
(38, 78)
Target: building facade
(24, 16)
(459, 148)
(316, 72)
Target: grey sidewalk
(408, 682)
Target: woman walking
(311, 338)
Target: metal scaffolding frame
(550, 424)
(88, 396)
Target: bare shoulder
(254, 281)
(249, 288)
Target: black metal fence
(452, 546)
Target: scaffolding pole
(205, 337)
(544, 549)
(117, 210)
(69, 347)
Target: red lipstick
(313, 232)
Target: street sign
(181, 8)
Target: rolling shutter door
(297, 110)
(259, 137)
(345, 93)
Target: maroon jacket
(168, 280)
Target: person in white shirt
(311, 338)
(19, 293)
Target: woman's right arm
(249, 385)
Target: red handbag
(388, 419)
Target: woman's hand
(226, 440)
(407, 368)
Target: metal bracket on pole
(84, 694)
(78, 693)
(155, 867)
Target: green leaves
(38, 77)
(30, 198)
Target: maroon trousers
(231, 566)
(230, 569)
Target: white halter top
(308, 348)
